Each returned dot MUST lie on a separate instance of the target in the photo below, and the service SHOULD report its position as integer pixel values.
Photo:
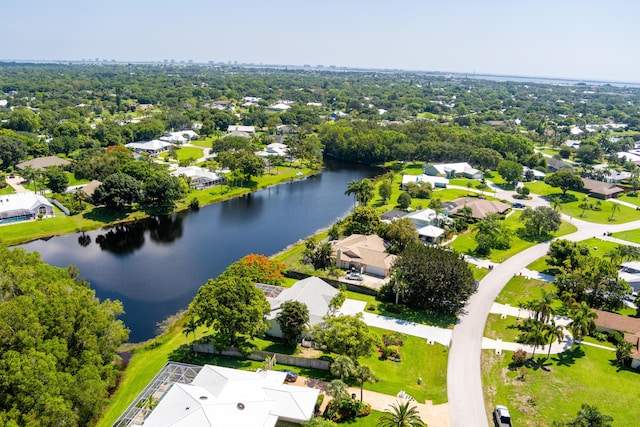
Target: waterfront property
(453, 170)
(199, 178)
(23, 207)
(314, 292)
(219, 396)
(435, 181)
(367, 254)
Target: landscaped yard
(186, 153)
(504, 329)
(631, 235)
(555, 391)
(466, 244)
(520, 289)
(7, 190)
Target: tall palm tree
(543, 307)
(615, 208)
(590, 416)
(553, 332)
(363, 374)
(534, 335)
(583, 321)
(342, 367)
(190, 327)
(354, 187)
(401, 415)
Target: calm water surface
(155, 266)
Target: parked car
(501, 416)
(517, 206)
(631, 297)
(12, 175)
(291, 376)
(354, 276)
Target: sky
(573, 39)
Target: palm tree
(534, 335)
(614, 208)
(590, 416)
(543, 307)
(363, 374)
(190, 327)
(584, 205)
(363, 191)
(554, 332)
(343, 367)
(583, 321)
(401, 415)
(354, 187)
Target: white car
(354, 276)
(501, 416)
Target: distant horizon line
(321, 67)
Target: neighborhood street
(464, 382)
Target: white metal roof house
(23, 207)
(453, 170)
(314, 292)
(435, 181)
(274, 149)
(240, 128)
(152, 148)
(200, 177)
(220, 396)
(179, 137)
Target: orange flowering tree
(257, 268)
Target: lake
(156, 265)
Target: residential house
(572, 143)
(629, 156)
(428, 224)
(630, 272)
(199, 178)
(367, 254)
(239, 128)
(220, 396)
(435, 181)
(628, 326)
(480, 208)
(453, 170)
(554, 165)
(23, 207)
(90, 188)
(152, 148)
(392, 215)
(274, 149)
(180, 137)
(313, 292)
(601, 190)
(41, 163)
(537, 175)
(280, 106)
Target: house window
(42, 210)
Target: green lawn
(633, 200)
(504, 329)
(631, 235)
(555, 390)
(570, 205)
(187, 153)
(7, 190)
(466, 244)
(541, 265)
(202, 142)
(598, 248)
(73, 181)
(519, 288)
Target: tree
(435, 279)
(162, 189)
(363, 220)
(58, 344)
(342, 367)
(542, 307)
(492, 233)
(534, 334)
(401, 415)
(23, 119)
(541, 221)
(509, 170)
(190, 326)
(590, 416)
(117, 190)
(614, 208)
(338, 390)
(293, 319)
(319, 422)
(400, 233)
(404, 200)
(257, 268)
(565, 180)
(346, 335)
(564, 253)
(553, 332)
(231, 305)
(583, 321)
(57, 180)
(362, 191)
(338, 299)
(363, 374)
(385, 191)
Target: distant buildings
(152, 148)
(453, 170)
(41, 163)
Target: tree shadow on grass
(528, 237)
(561, 198)
(542, 362)
(108, 215)
(568, 358)
(419, 316)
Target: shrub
(393, 308)
(319, 401)
(194, 203)
(632, 194)
(519, 358)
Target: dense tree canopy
(57, 344)
(346, 335)
(565, 180)
(118, 190)
(435, 279)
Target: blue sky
(563, 38)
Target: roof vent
(203, 398)
(240, 406)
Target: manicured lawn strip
(519, 289)
(186, 153)
(369, 421)
(556, 392)
(419, 359)
(7, 190)
(631, 235)
(73, 181)
(479, 273)
(629, 199)
(204, 143)
(599, 248)
(503, 329)
(541, 265)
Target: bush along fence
(260, 355)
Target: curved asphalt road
(464, 382)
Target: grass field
(631, 235)
(555, 390)
(504, 329)
(7, 190)
(519, 288)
